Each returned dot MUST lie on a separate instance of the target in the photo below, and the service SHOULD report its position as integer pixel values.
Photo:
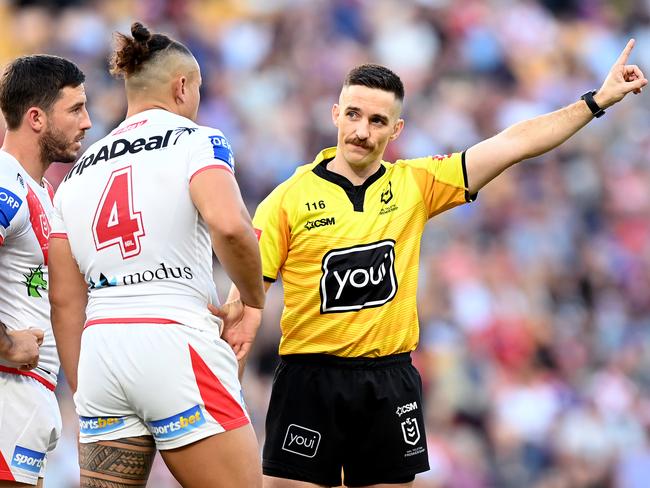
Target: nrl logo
(411, 431)
(34, 281)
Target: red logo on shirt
(258, 233)
(39, 221)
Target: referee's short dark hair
(376, 76)
(35, 81)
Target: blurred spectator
(534, 309)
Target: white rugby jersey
(126, 210)
(25, 214)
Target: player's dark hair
(132, 52)
(376, 76)
(35, 81)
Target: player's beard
(55, 147)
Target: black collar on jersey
(356, 194)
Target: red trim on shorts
(218, 402)
(58, 235)
(212, 166)
(40, 379)
(5, 472)
(130, 320)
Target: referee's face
(367, 120)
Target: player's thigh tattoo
(116, 464)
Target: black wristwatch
(591, 103)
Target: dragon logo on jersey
(358, 277)
(34, 281)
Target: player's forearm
(67, 325)
(521, 141)
(239, 254)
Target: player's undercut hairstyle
(376, 76)
(35, 81)
(131, 53)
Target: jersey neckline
(356, 194)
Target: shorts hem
(284, 472)
(389, 477)
(18, 478)
(198, 436)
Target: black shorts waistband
(345, 362)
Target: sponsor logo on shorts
(178, 424)
(27, 459)
(9, 205)
(411, 431)
(301, 440)
(99, 425)
(409, 407)
(358, 277)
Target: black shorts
(360, 415)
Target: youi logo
(301, 440)
(27, 459)
(178, 424)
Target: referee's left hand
(622, 79)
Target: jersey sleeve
(57, 225)
(209, 148)
(10, 203)
(271, 225)
(442, 181)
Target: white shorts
(171, 381)
(30, 426)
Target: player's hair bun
(131, 52)
(140, 33)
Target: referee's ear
(397, 129)
(336, 111)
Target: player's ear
(397, 129)
(36, 118)
(336, 111)
(179, 88)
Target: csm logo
(320, 223)
(301, 440)
(409, 407)
(27, 459)
(411, 431)
(358, 277)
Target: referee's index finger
(622, 59)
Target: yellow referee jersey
(348, 255)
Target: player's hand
(24, 350)
(622, 79)
(240, 325)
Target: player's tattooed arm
(116, 464)
(20, 346)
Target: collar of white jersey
(155, 115)
(19, 167)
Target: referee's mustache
(359, 142)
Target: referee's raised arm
(535, 136)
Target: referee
(344, 234)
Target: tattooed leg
(123, 463)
